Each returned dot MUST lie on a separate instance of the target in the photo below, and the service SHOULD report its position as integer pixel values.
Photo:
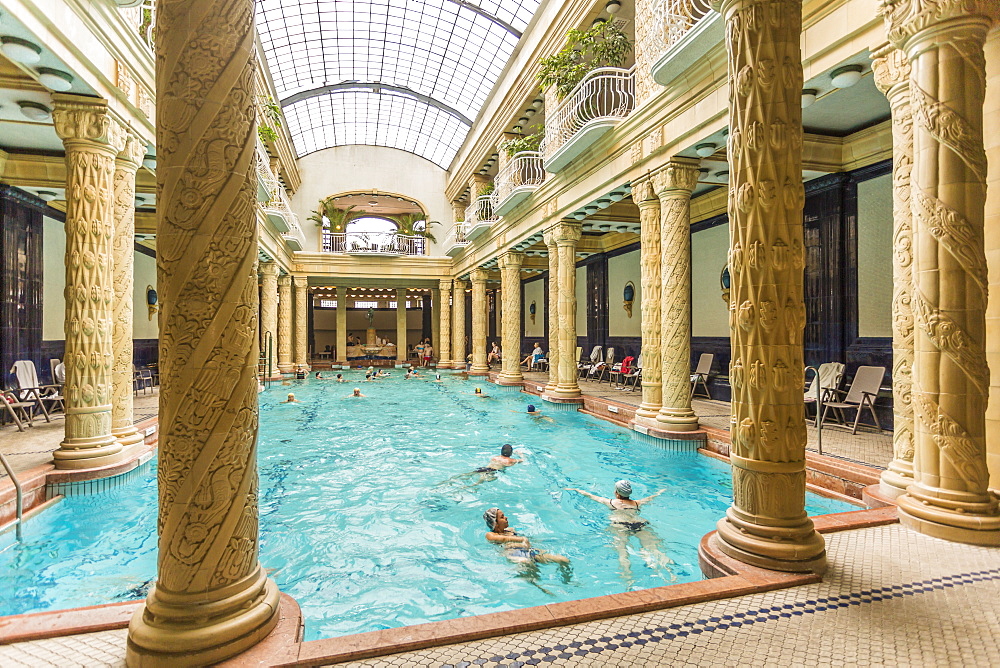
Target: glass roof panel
(448, 53)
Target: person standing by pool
(516, 548)
(428, 352)
(625, 523)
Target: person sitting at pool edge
(536, 354)
(516, 548)
(291, 399)
(357, 393)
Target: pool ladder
(819, 408)
(19, 494)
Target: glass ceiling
(407, 74)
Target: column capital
(87, 119)
(511, 260)
(643, 191)
(400, 292)
(679, 174)
(445, 284)
(269, 268)
(300, 281)
(904, 19)
(479, 275)
(284, 281)
(890, 68)
(461, 284)
(131, 155)
(567, 233)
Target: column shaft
(401, 325)
(767, 524)
(644, 195)
(479, 343)
(285, 324)
(302, 306)
(443, 345)
(269, 315)
(92, 140)
(212, 599)
(510, 282)
(436, 322)
(944, 44)
(458, 348)
(341, 324)
(123, 271)
(674, 185)
(567, 235)
(550, 242)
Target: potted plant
(524, 143)
(603, 45)
(327, 214)
(415, 225)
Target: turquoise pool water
(362, 523)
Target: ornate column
(285, 324)
(302, 307)
(212, 598)
(123, 278)
(549, 238)
(944, 43)
(92, 140)
(269, 312)
(891, 70)
(567, 235)
(510, 284)
(401, 325)
(458, 349)
(341, 325)
(767, 524)
(645, 198)
(436, 321)
(674, 185)
(443, 344)
(479, 343)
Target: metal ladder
(264, 363)
(19, 494)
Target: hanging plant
(268, 118)
(603, 45)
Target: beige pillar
(302, 306)
(436, 322)
(567, 235)
(401, 325)
(549, 238)
(92, 141)
(341, 324)
(510, 282)
(285, 324)
(443, 344)
(212, 598)
(123, 263)
(644, 196)
(479, 325)
(944, 43)
(269, 313)
(891, 71)
(458, 347)
(674, 185)
(767, 524)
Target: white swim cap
(623, 488)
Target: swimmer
(340, 378)
(488, 473)
(319, 376)
(516, 548)
(356, 393)
(479, 393)
(437, 378)
(625, 522)
(291, 399)
(537, 414)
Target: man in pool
(291, 399)
(479, 393)
(340, 378)
(357, 393)
(625, 523)
(537, 414)
(488, 473)
(516, 548)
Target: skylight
(407, 74)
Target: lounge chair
(17, 409)
(622, 377)
(864, 389)
(29, 390)
(583, 368)
(141, 381)
(828, 379)
(700, 374)
(606, 367)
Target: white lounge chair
(700, 374)
(828, 379)
(864, 389)
(29, 390)
(585, 367)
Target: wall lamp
(846, 76)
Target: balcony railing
(142, 17)
(517, 180)
(688, 26)
(279, 213)
(267, 182)
(479, 216)
(457, 239)
(373, 243)
(597, 104)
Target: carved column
(269, 312)
(436, 322)
(644, 196)
(767, 524)
(458, 356)
(479, 344)
(891, 70)
(92, 140)
(341, 325)
(212, 598)
(944, 44)
(123, 277)
(510, 283)
(567, 235)
(550, 242)
(443, 344)
(401, 325)
(285, 324)
(674, 185)
(302, 306)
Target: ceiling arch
(408, 74)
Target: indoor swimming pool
(364, 522)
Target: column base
(127, 436)
(443, 364)
(566, 394)
(894, 480)
(202, 629)
(479, 370)
(646, 414)
(677, 419)
(656, 430)
(791, 549)
(286, 367)
(75, 458)
(510, 380)
(553, 398)
(963, 518)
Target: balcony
(384, 244)
(479, 216)
(456, 240)
(267, 182)
(598, 103)
(517, 180)
(682, 33)
(279, 214)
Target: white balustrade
(142, 18)
(373, 243)
(671, 20)
(679, 33)
(457, 239)
(479, 216)
(267, 183)
(517, 180)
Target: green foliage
(336, 218)
(268, 118)
(485, 190)
(603, 45)
(524, 143)
(410, 226)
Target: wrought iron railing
(671, 20)
(267, 178)
(480, 212)
(373, 243)
(279, 205)
(524, 169)
(141, 15)
(607, 92)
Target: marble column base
(554, 398)
(88, 457)
(479, 370)
(288, 367)
(677, 420)
(791, 549)
(510, 380)
(127, 436)
(960, 517)
(894, 480)
(656, 429)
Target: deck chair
(606, 368)
(28, 388)
(700, 374)
(864, 389)
(828, 378)
(141, 382)
(584, 368)
(17, 409)
(53, 394)
(631, 376)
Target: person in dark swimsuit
(626, 522)
(517, 548)
(487, 473)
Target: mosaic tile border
(592, 646)
(688, 446)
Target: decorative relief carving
(906, 18)
(510, 286)
(444, 345)
(479, 320)
(285, 323)
(301, 284)
(567, 235)
(650, 262)
(549, 238)
(269, 311)
(458, 338)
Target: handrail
(279, 204)
(819, 407)
(671, 20)
(605, 93)
(264, 173)
(19, 495)
(457, 235)
(480, 211)
(523, 169)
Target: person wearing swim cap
(479, 393)
(625, 522)
(356, 393)
(517, 548)
(291, 399)
(487, 473)
(537, 414)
